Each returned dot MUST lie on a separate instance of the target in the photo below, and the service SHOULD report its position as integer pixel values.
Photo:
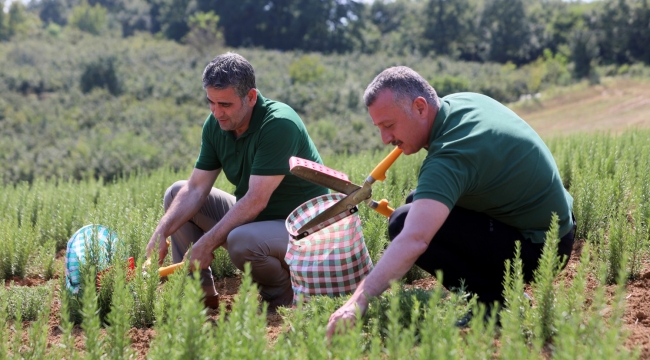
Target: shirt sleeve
(280, 139)
(208, 158)
(444, 177)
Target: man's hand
(346, 316)
(158, 240)
(201, 254)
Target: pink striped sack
(331, 261)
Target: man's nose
(214, 108)
(386, 137)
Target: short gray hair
(230, 70)
(406, 85)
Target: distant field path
(614, 105)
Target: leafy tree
(4, 29)
(557, 19)
(400, 24)
(16, 21)
(17, 17)
(507, 33)
(613, 25)
(640, 35)
(450, 28)
(110, 5)
(101, 74)
(55, 11)
(584, 50)
(134, 15)
(204, 32)
(311, 25)
(171, 17)
(91, 19)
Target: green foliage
(204, 34)
(221, 266)
(143, 288)
(4, 331)
(447, 84)
(187, 335)
(583, 52)
(90, 19)
(306, 69)
(37, 341)
(549, 267)
(24, 303)
(450, 29)
(18, 245)
(17, 22)
(608, 178)
(69, 308)
(101, 74)
(245, 314)
(4, 29)
(91, 323)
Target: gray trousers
(262, 243)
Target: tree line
(82, 97)
(516, 31)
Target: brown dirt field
(612, 106)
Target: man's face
(403, 126)
(232, 112)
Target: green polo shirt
(483, 157)
(275, 133)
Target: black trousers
(473, 247)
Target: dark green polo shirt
(275, 133)
(484, 157)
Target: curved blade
(321, 175)
(335, 212)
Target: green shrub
(101, 73)
(306, 69)
(24, 302)
(91, 19)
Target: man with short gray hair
(488, 181)
(251, 139)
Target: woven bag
(331, 261)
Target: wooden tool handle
(379, 173)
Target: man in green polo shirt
(488, 180)
(249, 138)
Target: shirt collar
(443, 111)
(259, 112)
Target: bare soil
(612, 106)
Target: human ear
(420, 106)
(251, 96)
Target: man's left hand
(200, 254)
(345, 317)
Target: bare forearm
(244, 211)
(393, 265)
(185, 205)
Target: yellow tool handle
(379, 173)
(168, 270)
(383, 208)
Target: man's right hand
(158, 240)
